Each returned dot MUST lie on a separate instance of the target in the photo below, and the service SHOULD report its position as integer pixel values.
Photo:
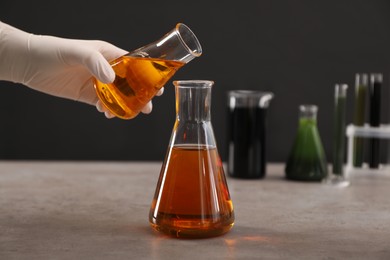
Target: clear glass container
(307, 160)
(192, 198)
(141, 73)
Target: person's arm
(57, 66)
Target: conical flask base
(192, 198)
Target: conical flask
(192, 198)
(307, 161)
(141, 73)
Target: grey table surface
(99, 210)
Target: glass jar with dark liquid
(247, 112)
(192, 198)
(140, 74)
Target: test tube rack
(366, 131)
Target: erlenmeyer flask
(141, 73)
(192, 198)
(307, 161)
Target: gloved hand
(58, 66)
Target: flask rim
(341, 90)
(193, 83)
(180, 29)
(308, 111)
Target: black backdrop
(296, 49)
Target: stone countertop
(99, 210)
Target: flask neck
(193, 100)
(180, 44)
(308, 112)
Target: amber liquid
(137, 81)
(192, 199)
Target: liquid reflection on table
(99, 210)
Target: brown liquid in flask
(192, 198)
(136, 82)
(187, 205)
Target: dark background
(296, 49)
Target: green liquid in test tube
(361, 89)
(337, 178)
(339, 128)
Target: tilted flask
(141, 73)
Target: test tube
(361, 89)
(339, 128)
(376, 80)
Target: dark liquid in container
(246, 142)
(359, 120)
(339, 135)
(375, 105)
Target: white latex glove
(58, 66)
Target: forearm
(13, 53)
(57, 66)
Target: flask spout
(189, 42)
(193, 100)
(265, 99)
(180, 44)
